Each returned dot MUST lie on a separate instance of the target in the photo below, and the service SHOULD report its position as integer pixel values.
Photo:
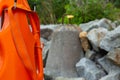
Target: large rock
(46, 44)
(47, 77)
(95, 36)
(65, 51)
(43, 40)
(111, 40)
(105, 23)
(88, 69)
(63, 78)
(88, 26)
(46, 48)
(94, 56)
(112, 76)
(114, 55)
(47, 30)
(50, 26)
(115, 24)
(89, 54)
(108, 65)
(84, 41)
(45, 52)
(46, 33)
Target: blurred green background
(52, 11)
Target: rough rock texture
(89, 54)
(112, 76)
(46, 48)
(114, 55)
(50, 26)
(97, 55)
(65, 51)
(43, 40)
(63, 78)
(47, 77)
(95, 36)
(84, 41)
(47, 30)
(108, 65)
(46, 33)
(88, 69)
(105, 23)
(115, 24)
(101, 45)
(88, 26)
(111, 40)
(45, 52)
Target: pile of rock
(102, 61)
(94, 54)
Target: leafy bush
(49, 10)
(91, 10)
(58, 7)
(117, 3)
(45, 10)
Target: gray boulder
(46, 33)
(88, 26)
(114, 55)
(50, 26)
(45, 49)
(65, 51)
(88, 69)
(47, 77)
(112, 76)
(63, 78)
(105, 23)
(111, 40)
(115, 24)
(47, 30)
(95, 36)
(43, 40)
(89, 54)
(45, 52)
(108, 65)
(46, 46)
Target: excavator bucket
(20, 46)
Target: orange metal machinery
(20, 47)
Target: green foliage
(91, 10)
(52, 11)
(117, 3)
(31, 3)
(49, 10)
(58, 8)
(44, 9)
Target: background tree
(44, 9)
(117, 3)
(51, 11)
(90, 10)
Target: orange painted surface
(20, 48)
